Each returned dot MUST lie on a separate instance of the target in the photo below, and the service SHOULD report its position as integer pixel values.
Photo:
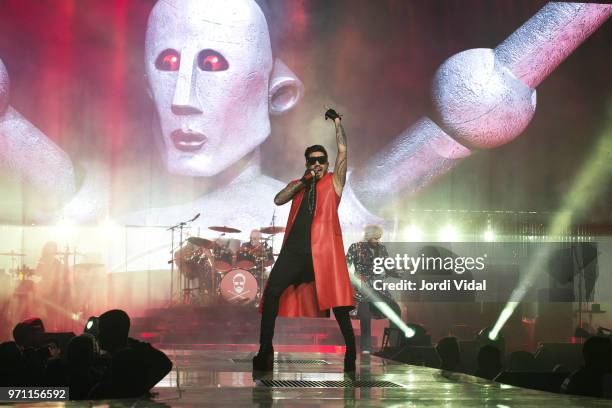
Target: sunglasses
(320, 159)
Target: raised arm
(341, 162)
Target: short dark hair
(114, 326)
(22, 333)
(314, 148)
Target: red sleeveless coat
(332, 285)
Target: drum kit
(224, 269)
(19, 278)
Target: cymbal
(11, 254)
(201, 242)
(224, 229)
(271, 230)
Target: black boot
(344, 321)
(264, 360)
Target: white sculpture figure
(210, 81)
(483, 99)
(27, 155)
(215, 84)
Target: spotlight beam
(584, 191)
(380, 304)
(62, 310)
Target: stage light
(91, 326)
(391, 315)
(584, 191)
(502, 319)
(394, 338)
(489, 235)
(65, 230)
(411, 334)
(412, 233)
(489, 336)
(380, 304)
(419, 334)
(448, 234)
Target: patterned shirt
(361, 255)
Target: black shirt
(299, 236)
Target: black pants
(294, 268)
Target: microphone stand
(180, 226)
(272, 224)
(262, 273)
(579, 265)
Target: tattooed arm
(292, 188)
(340, 166)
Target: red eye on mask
(168, 60)
(211, 60)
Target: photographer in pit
(37, 357)
(135, 366)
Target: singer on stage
(310, 275)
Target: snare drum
(239, 287)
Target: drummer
(254, 241)
(257, 247)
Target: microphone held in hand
(307, 177)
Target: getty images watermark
(435, 266)
(484, 271)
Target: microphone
(195, 218)
(307, 177)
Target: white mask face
(208, 65)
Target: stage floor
(209, 376)
(213, 377)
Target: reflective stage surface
(209, 376)
(214, 377)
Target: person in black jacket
(146, 365)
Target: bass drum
(239, 287)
